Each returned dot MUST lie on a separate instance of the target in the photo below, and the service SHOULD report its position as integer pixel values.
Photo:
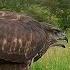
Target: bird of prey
(23, 40)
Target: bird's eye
(56, 31)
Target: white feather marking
(26, 54)
(3, 14)
(15, 41)
(4, 42)
(20, 42)
(18, 17)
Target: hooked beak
(66, 39)
(58, 43)
(62, 45)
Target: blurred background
(55, 12)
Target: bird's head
(55, 37)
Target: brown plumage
(23, 39)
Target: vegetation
(56, 12)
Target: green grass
(56, 58)
(34, 10)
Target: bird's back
(21, 38)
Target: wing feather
(24, 39)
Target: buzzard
(24, 40)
